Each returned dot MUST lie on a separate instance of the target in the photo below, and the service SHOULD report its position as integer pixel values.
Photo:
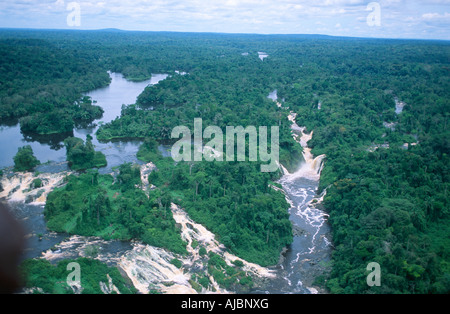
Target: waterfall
(312, 167)
(317, 165)
(302, 260)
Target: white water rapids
(310, 170)
(149, 267)
(309, 254)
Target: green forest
(388, 205)
(51, 279)
(113, 208)
(386, 172)
(25, 160)
(233, 200)
(42, 85)
(82, 156)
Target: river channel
(307, 257)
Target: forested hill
(379, 111)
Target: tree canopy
(386, 171)
(25, 160)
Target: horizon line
(112, 29)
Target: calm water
(262, 55)
(38, 238)
(50, 148)
(273, 95)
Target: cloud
(436, 16)
(256, 16)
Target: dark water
(38, 238)
(309, 254)
(11, 139)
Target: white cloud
(435, 16)
(261, 16)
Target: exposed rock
(297, 231)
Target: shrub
(25, 160)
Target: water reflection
(54, 141)
(51, 147)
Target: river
(52, 154)
(50, 148)
(309, 254)
(305, 258)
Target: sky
(429, 19)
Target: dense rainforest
(114, 208)
(382, 122)
(42, 85)
(386, 172)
